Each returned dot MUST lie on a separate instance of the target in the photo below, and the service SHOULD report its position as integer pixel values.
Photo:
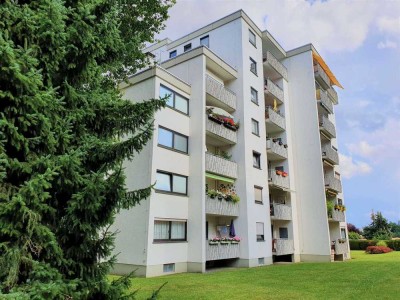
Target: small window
(254, 127)
(260, 231)
(175, 100)
(172, 54)
(172, 183)
(253, 66)
(283, 233)
(343, 233)
(261, 261)
(254, 95)
(168, 268)
(256, 160)
(252, 38)
(170, 139)
(205, 41)
(339, 201)
(206, 230)
(165, 230)
(187, 47)
(258, 194)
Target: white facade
(281, 161)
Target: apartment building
(244, 157)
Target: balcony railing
(221, 207)
(281, 211)
(276, 64)
(323, 99)
(282, 247)
(222, 251)
(274, 117)
(220, 92)
(277, 149)
(333, 95)
(278, 180)
(333, 183)
(341, 248)
(338, 215)
(321, 76)
(327, 126)
(218, 165)
(274, 90)
(221, 132)
(330, 154)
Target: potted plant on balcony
(235, 198)
(225, 241)
(215, 118)
(212, 193)
(279, 172)
(214, 241)
(284, 174)
(235, 240)
(230, 124)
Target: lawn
(364, 277)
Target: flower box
(234, 242)
(229, 126)
(225, 242)
(213, 243)
(215, 119)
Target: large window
(252, 38)
(254, 127)
(258, 194)
(166, 230)
(254, 95)
(253, 66)
(171, 139)
(205, 41)
(260, 231)
(172, 54)
(175, 100)
(171, 183)
(256, 160)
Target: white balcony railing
(282, 247)
(274, 90)
(278, 180)
(332, 94)
(276, 64)
(220, 92)
(218, 165)
(327, 126)
(222, 251)
(221, 207)
(276, 148)
(338, 215)
(341, 248)
(274, 117)
(321, 76)
(330, 154)
(333, 183)
(221, 131)
(281, 211)
(324, 100)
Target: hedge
(363, 244)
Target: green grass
(364, 277)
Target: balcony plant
(230, 123)
(279, 172)
(215, 118)
(330, 207)
(214, 241)
(284, 174)
(225, 241)
(235, 240)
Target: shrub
(381, 243)
(354, 235)
(394, 244)
(377, 250)
(361, 244)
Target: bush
(361, 244)
(381, 243)
(377, 250)
(354, 235)
(394, 244)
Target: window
(283, 233)
(258, 194)
(206, 230)
(256, 160)
(252, 38)
(339, 201)
(254, 127)
(261, 260)
(343, 233)
(175, 100)
(172, 54)
(205, 41)
(254, 95)
(187, 47)
(165, 230)
(260, 231)
(173, 140)
(172, 183)
(168, 268)
(253, 66)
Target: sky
(360, 41)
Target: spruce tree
(64, 132)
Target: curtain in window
(161, 230)
(177, 230)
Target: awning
(328, 71)
(217, 177)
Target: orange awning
(328, 71)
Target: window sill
(178, 111)
(170, 193)
(259, 202)
(255, 134)
(172, 149)
(258, 168)
(254, 73)
(256, 103)
(261, 241)
(168, 242)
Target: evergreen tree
(379, 228)
(61, 122)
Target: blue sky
(360, 41)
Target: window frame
(256, 187)
(203, 38)
(173, 95)
(253, 62)
(171, 182)
(257, 154)
(173, 53)
(174, 133)
(251, 95)
(170, 240)
(253, 121)
(251, 33)
(262, 236)
(283, 230)
(187, 47)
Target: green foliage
(381, 243)
(61, 119)
(354, 235)
(329, 207)
(379, 228)
(395, 229)
(394, 244)
(361, 244)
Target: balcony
(341, 248)
(222, 251)
(273, 67)
(275, 150)
(281, 211)
(282, 247)
(324, 101)
(218, 95)
(337, 216)
(275, 121)
(330, 154)
(278, 180)
(220, 132)
(221, 207)
(327, 127)
(333, 183)
(271, 89)
(221, 166)
(332, 95)
(321, 77)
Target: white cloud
(387, 44)
(389, 24)
(363, 148)
(350, 168)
